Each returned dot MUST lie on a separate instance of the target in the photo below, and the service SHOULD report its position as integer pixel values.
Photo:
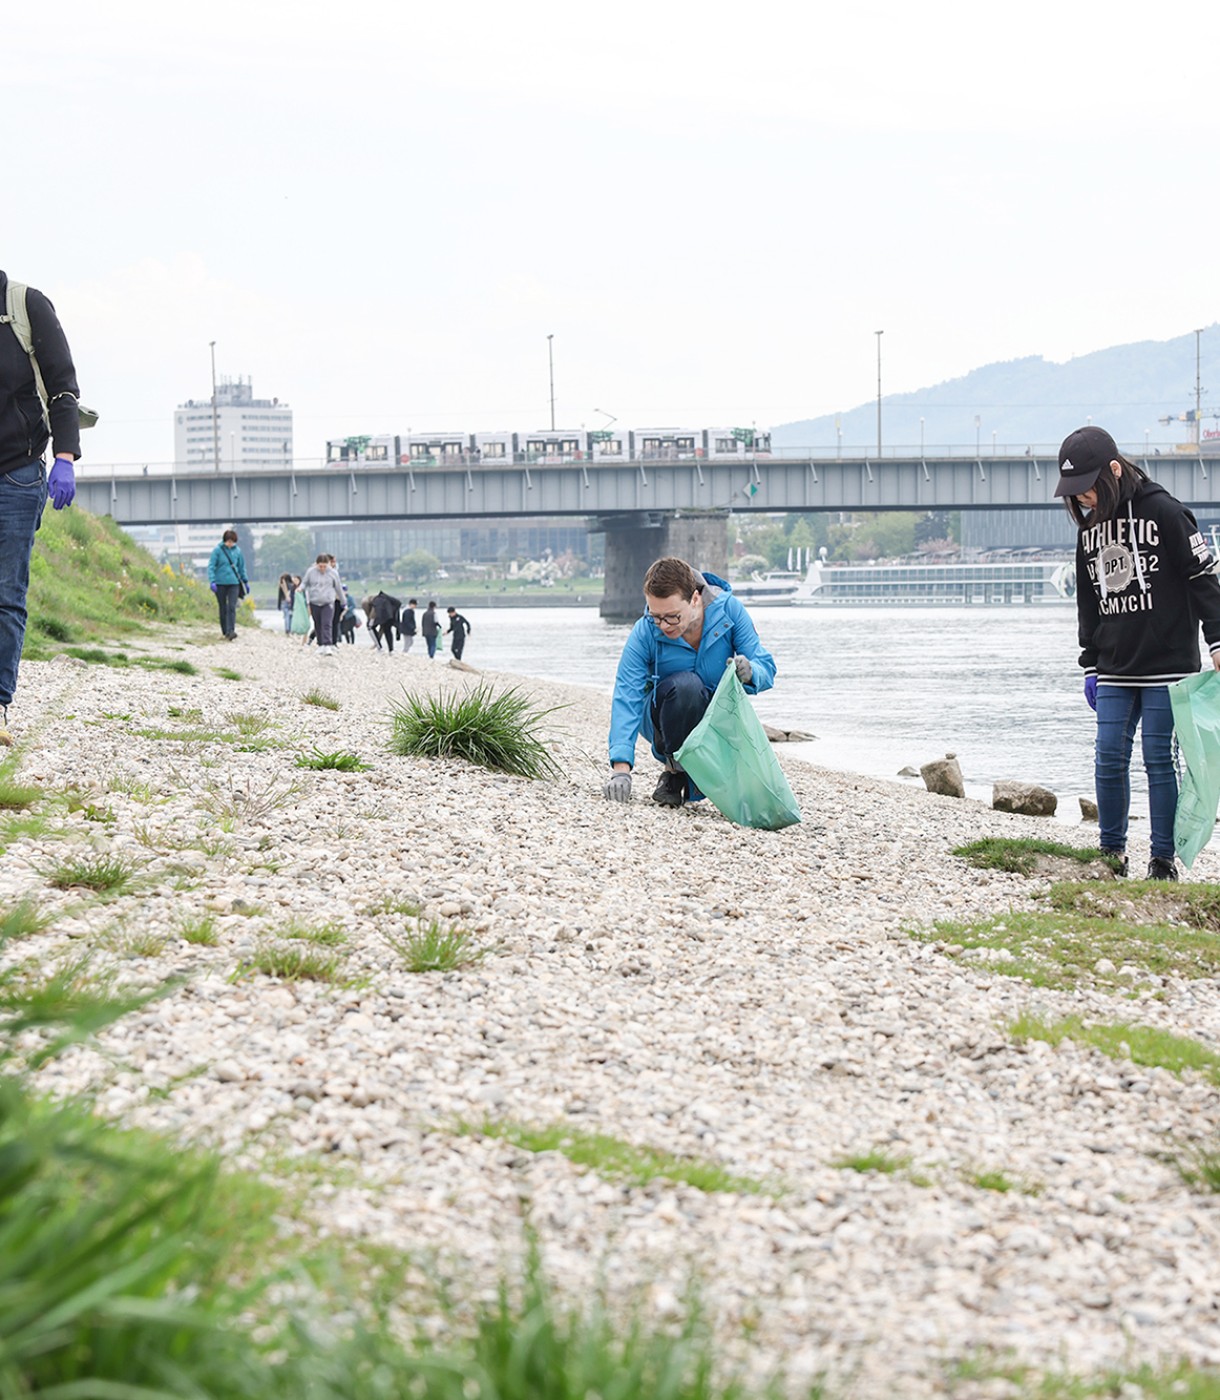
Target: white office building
(240, 433)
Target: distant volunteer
(1144, 583)
(322, 591)
(671, 664)
(26, 427)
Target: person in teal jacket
(227, 578)
(672, 662)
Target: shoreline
(746, 998)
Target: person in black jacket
(459, 626)
(1145, 580)
(382, 612)
(24, 483)
(406, 624)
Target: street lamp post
(215, 423)
(921, 438)
(978, 423)
(550, 355)
(1198, 392)
(879, 334)
(993, 433)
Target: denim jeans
(678, 704)
(23, 493)
(286, 609)
(1119, 709)
(226, 600)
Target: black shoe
(1121, 858)
(1159, 869)
(670, 790)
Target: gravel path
(747, 998)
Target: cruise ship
(995, 581)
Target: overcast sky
(380, 210)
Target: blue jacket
(650, 656)
(226, 565)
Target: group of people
(320, 596)
(1146, 583)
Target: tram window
(726, 444)
(376, 452)
(493, 449)
(685, 444)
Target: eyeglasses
(666, 619)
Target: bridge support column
(635, 540)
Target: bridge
(647, 508)
(607, 490)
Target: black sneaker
(1120, 858)
(670, 790)
(1159, 869)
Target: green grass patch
(339, 761)
(1027, 856)
(496, 731)
(393, 904)
(140, 944)
(327, 935)
(1141, 929)
(320, 698)
(1174, 1382)
(15, 796)
(291, 964)
(436, 947)
(102, 874)
(1001, 1182)
(1122, 1040)
(200, 930)
(226, 673)
(20, 825)
(875, 1160)
(616, 1159)
(22, 920)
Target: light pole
(1198, 392)
(839, 430)
(993, 432)
(550, 355)
(921, 438)
(978, 422)
(215, 424)
(879, 334)
(1147, 431)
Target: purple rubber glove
(61, 484)
(1090, 691)
(213, 587)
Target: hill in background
(1035, 402)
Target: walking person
(285, 597)
(460, 628)
(228, 580)
(406, 624)
(382, 612)
(430, 627)
(1144, 583)
(27, 425)
(323, 592)
(671, 664)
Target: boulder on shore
(944, 776)
(787, 736)
(1088, 809)
(1028, 799)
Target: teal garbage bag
(301, 621)
(1196, 718)
(729, 758)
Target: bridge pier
(634, 540)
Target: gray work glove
(617, 787)
(745, 672)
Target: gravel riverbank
(746, 998)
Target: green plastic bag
(1196, 718)
(301, 622)
(729, 758)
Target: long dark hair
(1113, 492)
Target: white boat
(1006, 581)
(774, 586)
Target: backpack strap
(16, 315)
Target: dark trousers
(431, 643)
(322, 614)
(226, 601)
(678, 704)
(459, 645)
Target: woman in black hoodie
(1145, 580)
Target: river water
(882, 688)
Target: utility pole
(215, 424)
(550, 355)
(879, 334)
(1198, 433)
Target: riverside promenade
(750, 1000)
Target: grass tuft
(1122, 1040)
(616, 1159)
(1021, 855)
(433, 947)
(22, 920)
(338, 761)
(200, 930)
(102, 875)
(292, 964)
(319, 698)
(493, 731)
(328, 935)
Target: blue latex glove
(1090, 691)
(214, 586)
(61, 484)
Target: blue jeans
(286, 609)
(23, 493)
(1119, 709)
(226, 600)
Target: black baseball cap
(1085, 454)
